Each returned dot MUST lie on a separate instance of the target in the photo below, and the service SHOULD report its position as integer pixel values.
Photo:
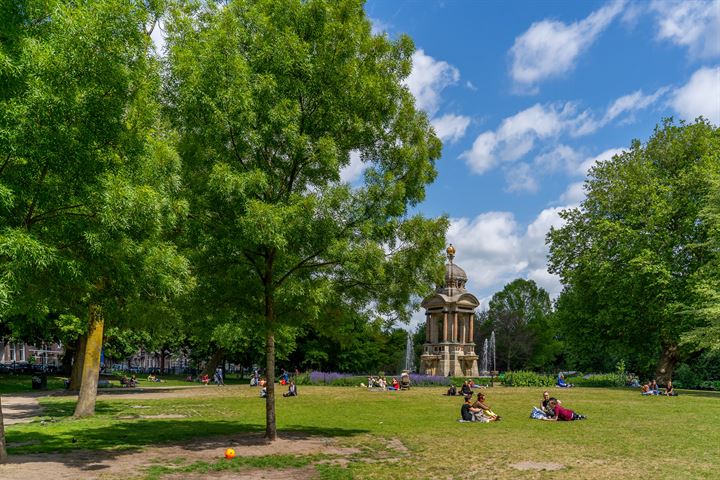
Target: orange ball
(229, 453)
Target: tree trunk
(3, 451)
(91, 365)
(78, 360)
(213, 363)
(666, 367)
(162, 362)
(67, 360)
(270, 427)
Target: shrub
(710, 385)
(685, 377)
(528, 379)
(602, 380)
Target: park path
(21, 408)
(24, 407)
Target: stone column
(456, 337)
(445, 327)
(471, 320)
(428, 327)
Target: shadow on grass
(700, 393)
(85, 446)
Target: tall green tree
(271, 99)
(520, 315)
(89, 181)
(629, 256)
(705, 303)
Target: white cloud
(561, 157)
(378, 27)
(632, 102)
(588, 163)
(353, 170)
(451, 128)
(158, 38)
(429, 77)
(494, 249)
(521, 178)
(691, 24)
(699, 96)
(574, 194)
(517, 135)
(550, 48)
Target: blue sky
(526, 95)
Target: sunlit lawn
(626, 435)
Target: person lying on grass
(562, 414)
(486, 413)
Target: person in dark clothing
(466, 390)
(292, 390)
(466, 412)
(452, 391)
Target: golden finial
(450, 252)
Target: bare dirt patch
(537, 466)
(306, 473)
(83, 464)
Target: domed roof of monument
(454, 272)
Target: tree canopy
(639, 253)
(271, 100)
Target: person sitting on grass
(468, 412)
(263, 392)
(543, 412)
(669, 390)
(561, 381)
(562, 414)
(485, 413)
(544, 404)
(465, 389)
(452, 391)
(395, 384)
(654, 387)
(292, 390)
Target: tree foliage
(636, 255)
(520, 316)
(89, 180)
(271, 98)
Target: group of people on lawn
(478, 411)
(550, 409)
(652, 388)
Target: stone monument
(449, 348)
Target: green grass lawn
(626, 435)
(23, 383)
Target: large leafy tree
(705, 303)
(88, 180)
(520, 315)
(271, 99)
(629, 256)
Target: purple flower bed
(347, 379)
(327, 377)
(420, 379)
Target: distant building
(45, 354)
(449, 348)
